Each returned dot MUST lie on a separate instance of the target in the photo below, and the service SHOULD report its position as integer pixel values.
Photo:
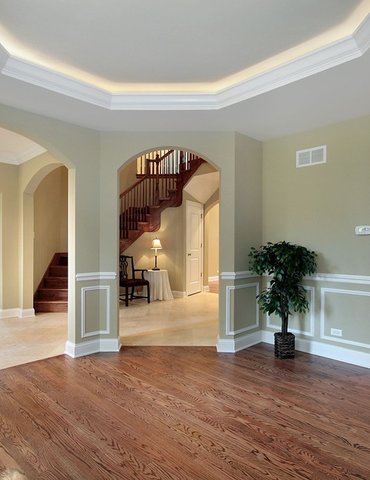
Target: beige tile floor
(184, 321)
(188, 321)
(24, 340)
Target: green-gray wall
(319, 206)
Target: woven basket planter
(284, 345)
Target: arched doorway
(19, 234)
(186, 320)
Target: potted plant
(287, 264)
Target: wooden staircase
(162, 177)
(52, 293)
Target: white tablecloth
(160, 288)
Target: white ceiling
(261, 67)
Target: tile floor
(183, 321)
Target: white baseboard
(17, 313)
(75, 350)
(234, 345)
(205, 288)
(177, 294)
(334, 352)
(213, 279)
(347, 355)
(9, 313)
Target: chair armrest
(142, 270)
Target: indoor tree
(287, 264)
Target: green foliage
(287, 264)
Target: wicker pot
(284, 345)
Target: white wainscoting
(333, 350)
(311, 331)
(84, 291)
(229, 328)
(87, 347)
(339, 291)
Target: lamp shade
(156, 244)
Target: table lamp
(156, 245)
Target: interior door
(194, 247)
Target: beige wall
(211, 237)
(9, 259)
(171, 257)
(50, 220)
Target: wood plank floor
(185, 413)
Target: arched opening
(35, 189)
(188, 319)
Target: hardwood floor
(185, 413)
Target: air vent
(311, 156)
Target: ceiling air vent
(311, 156)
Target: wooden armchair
(129, 280)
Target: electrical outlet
(336, 332)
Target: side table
(160, 288)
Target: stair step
(50, 306)
(55, 282)
(58, 271)
(52, 294)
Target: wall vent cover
(311, 156)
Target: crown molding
(334, 54)
(56, 82)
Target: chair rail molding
(84, 277)
(237, 275)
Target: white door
(194, 247)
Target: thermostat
(362, 230)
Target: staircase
(162, 175)
(52, 293)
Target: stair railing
(160, 175)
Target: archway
(38, 164)
(200, 187)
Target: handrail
(163, 177)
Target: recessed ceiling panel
(163, 41)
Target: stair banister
(159, 186)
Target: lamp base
(155, 268)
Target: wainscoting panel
(346, 310)
(242, 312)
(299, 323)
(95, 310)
